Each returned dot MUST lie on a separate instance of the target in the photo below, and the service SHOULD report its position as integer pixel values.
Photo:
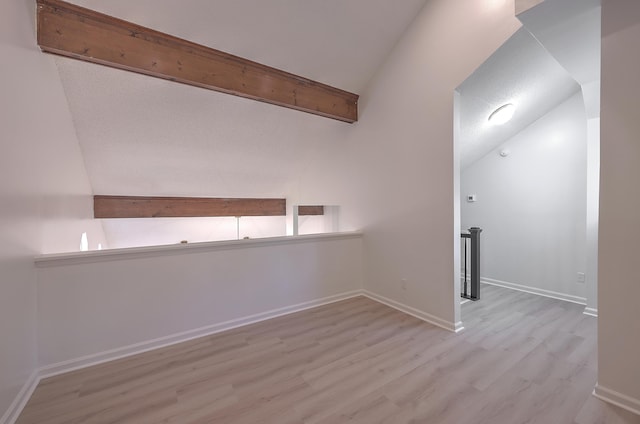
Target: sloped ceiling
(145, 136)
(337, 42)
(570, 31)
(540, 66)
(520, 72)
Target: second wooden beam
(176, 207)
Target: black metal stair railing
(472, 238)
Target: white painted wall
(531, 204)
(593, 208)
(89, 308)
(45, 198)
(393, 175)
(619, 284)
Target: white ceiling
(147, 136)
(542, 65)
(570, 31)
(150, 137)
(337, 42)
(521, 72)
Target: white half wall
(106, 304)
(619, 231)
(531, 204)
(46, 197)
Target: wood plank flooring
(521, 359)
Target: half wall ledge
(60, 259)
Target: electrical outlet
(403, 283)
(581, 278)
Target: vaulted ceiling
(337, 42)
(522, 73)
(145, 136)
(555, 54)
(151, 137)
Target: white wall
(96, 306)
(592, 219)
(393, 175)
(531, 204)
(619, 284)
(44, 193)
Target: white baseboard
(534, 290)
(432, 319)
(14, 411)
(618, 399)
(591, 312)
(86, 361)
(18, 404)
(137, 348)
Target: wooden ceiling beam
(172, 207)
(84, 34)
(310, 210)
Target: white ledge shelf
(92, 256)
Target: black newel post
(475, 262)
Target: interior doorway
(531, 182)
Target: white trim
(534, 290)
(73, 258)
(591, 312)
(618, 399)
(432, 319)
(51, 370)
(18, 404)
(134, 349)
(137, 348)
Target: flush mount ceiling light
(502, 115)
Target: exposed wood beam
(84, 34)
(164, 207)
(310, 210)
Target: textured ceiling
(521, 72)
(544, 63)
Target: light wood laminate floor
(521, 359)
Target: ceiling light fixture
(502, 115)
